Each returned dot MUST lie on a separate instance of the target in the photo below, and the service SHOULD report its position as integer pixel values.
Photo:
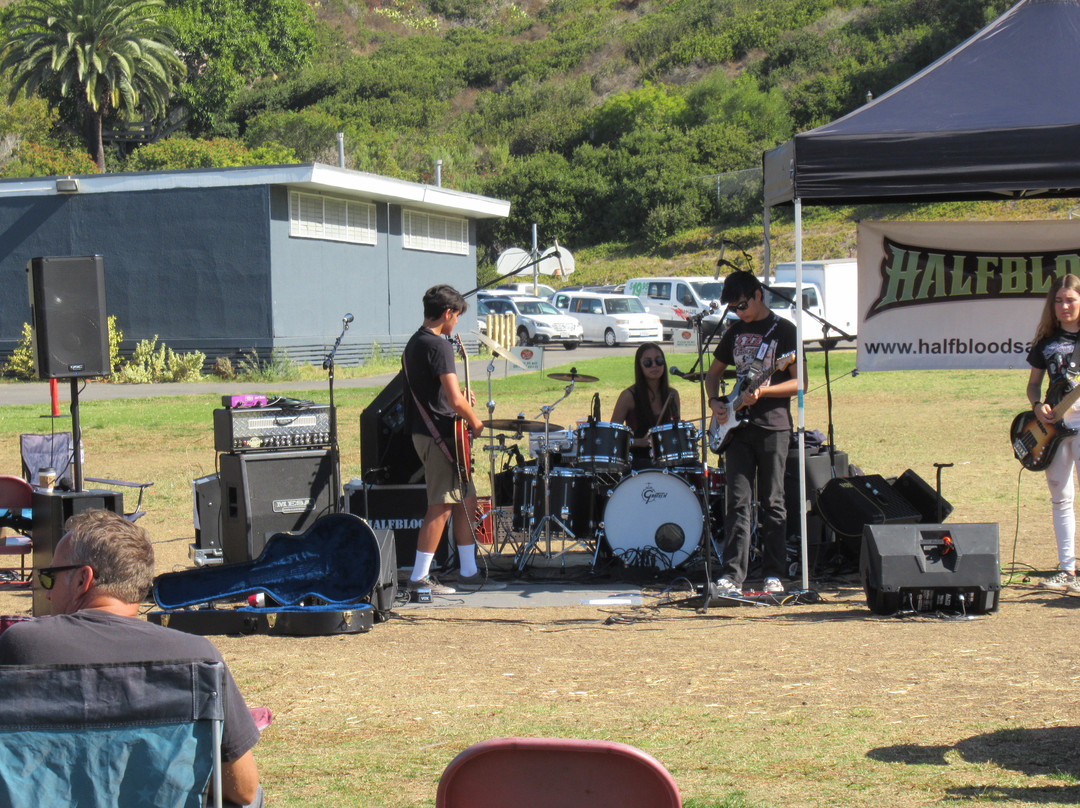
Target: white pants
(1059, 479)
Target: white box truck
(830, 289)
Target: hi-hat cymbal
(572, 377)
(520, 425)
(499, 350)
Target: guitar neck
(1066, 402)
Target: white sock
(422, 565)
(467, 558)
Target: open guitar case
(327, 580)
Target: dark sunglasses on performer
(740, 306)
(649, 362)
(47, 575)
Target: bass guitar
(1034, 442)
(755, 376)
(462, 438)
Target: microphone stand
(335, 458)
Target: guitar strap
(430, 424)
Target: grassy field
(809, 706)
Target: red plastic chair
(16, 498)
(555, 773)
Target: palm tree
(111, 55)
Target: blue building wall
(215, 270)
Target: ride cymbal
(519, 425)
(572, 377)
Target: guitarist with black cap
(1056, 354)
(434, 403)
(756, 449)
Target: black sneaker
(430, 583)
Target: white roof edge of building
(309, 176)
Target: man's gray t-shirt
(93, 636)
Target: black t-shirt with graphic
(741, 344)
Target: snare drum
(674, 444)
(603, 446)
(653, 518)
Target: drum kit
(579, 490)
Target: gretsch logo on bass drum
(650, 493)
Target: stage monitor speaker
(931, 567)
(387, 456)
(51, 511)
(399, 508)
(847, 504)
(931, 507)
(263, 493)
(67, 311)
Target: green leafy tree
(230, 44)
(109, 55)
(181, 152)
(43, 160)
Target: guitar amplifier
(262, 429)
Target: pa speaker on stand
(67, 309)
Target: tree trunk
(98, 147)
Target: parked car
(610, 318)
(674, 299)
(482, 311)
(538, 322)
(526, 288)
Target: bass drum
(653, 518)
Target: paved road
(38, 392)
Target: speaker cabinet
(847, 504)
(67, 311)
(387, 456)
(399, 508)
(52, 509)
(918, 492)
(819, 471)
(931, 567)
(263, 493)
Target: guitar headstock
(456, 341)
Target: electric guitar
(755, 376)
(462, 438)
(1034, 442)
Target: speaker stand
(76, 437)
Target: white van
(675, 300)
(610, 318)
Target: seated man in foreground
(102, 569)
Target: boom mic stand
(335, 459)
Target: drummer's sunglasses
(649, 362)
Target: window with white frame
(332, 218)
(434, 233)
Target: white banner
(957, 294)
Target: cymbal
(520, 425)
(572, 377)
(499, 350)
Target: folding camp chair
(55, 451)
(16, 496)
(555, 773)
(123, 735)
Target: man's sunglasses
(47, 575)
(741, 306)
(649, 362)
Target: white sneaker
(773, 585)
(1060, 581)
(725, 586)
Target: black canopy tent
(996, 117)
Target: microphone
(676, 372)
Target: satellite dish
(511, 259)
(515, 258)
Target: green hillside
(630, 131)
